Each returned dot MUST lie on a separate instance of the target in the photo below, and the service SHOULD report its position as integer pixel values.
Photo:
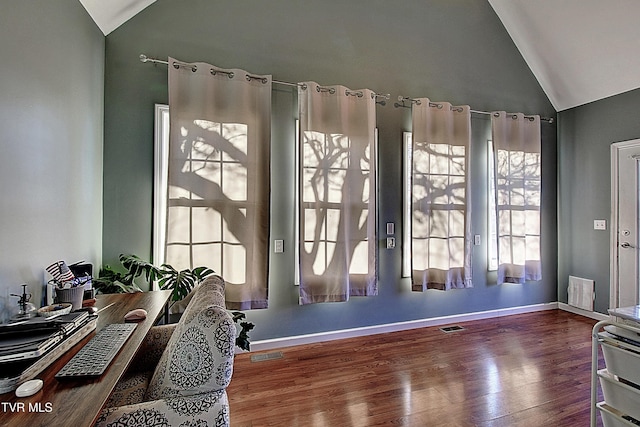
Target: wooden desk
(77, 402)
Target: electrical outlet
(476, 240)
(599, 224)
(391, 242)
(278, 246)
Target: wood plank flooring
(524, 370)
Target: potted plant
(180, 282)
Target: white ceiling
(110, 14)
(579, 50)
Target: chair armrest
(151, 348)
(210, 408)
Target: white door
(625, 284)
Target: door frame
(614, 290)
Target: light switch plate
(599, 224)
(391, 228)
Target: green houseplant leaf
(110, 281)
(202, 272)
(136, 267)
(179, 282)
(242, 340)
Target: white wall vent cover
(581, 293)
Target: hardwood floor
(523, 370)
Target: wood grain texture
(523, 370)
(77, 402)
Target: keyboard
(94, 358)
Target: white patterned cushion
(203, 410)
(130, 389)
(199, 355)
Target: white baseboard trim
(269, 344)
(575, 310)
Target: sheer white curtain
(516, 142)
(440, 211)
(219, 177)
(337, 193)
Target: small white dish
(55, 309)
(29, 388)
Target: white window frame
(407, 158)
(160, 172)
(296, 210)
(492, 212)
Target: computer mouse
(29, 388)
(136, 315)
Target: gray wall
(584, 181)
(455, 51)
(51, 132)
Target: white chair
(180, 374)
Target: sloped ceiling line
(110, 14)
(579, 50)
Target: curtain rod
(402, 100)
(145, 58)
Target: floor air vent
(266, 356)
(449, 329)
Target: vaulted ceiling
(579, 50)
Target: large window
(332, 169)
(208, 216)
(517, 170)
(442, 175)
(204, 233)
(219, 177)
(337, 194)
(440, 208)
